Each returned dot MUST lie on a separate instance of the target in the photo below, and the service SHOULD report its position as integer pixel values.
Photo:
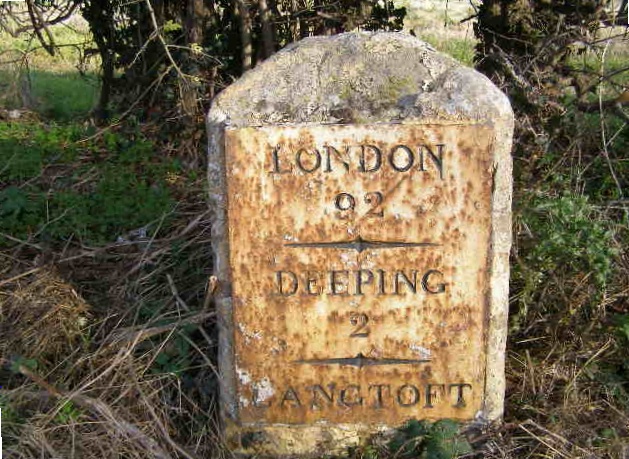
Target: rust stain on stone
(359, 259)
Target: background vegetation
(107, 332)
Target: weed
(174, 357)
(622, 326)
(68, 412)
(613, 375)
(368, 452)
(20, 212)
(440, 440)
(30, 364)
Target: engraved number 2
(360, 321)
(375, 199)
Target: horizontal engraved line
(360, 361)
(359, 244)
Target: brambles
(561, 237)
(563, 65)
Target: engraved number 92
(346, 202)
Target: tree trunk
(100, 16)
(197, 15)
(295, 26)
(242, 11)
(268, 39)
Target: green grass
(422, 439)
(55, 188)
(609, 62)
(462, 49)
(438, 23)
(69, 41)
(62, 96)
(63, 87)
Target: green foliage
(421, 439)
(460, 49)
(174, 357)
(609, 435)
(171, 26)
(67, 413)
(566, 236)
(26, 147)
(20, 211)
(29, 364)
(55, 188)
(613, 377)
(622, 324)
(64, 96)
(9, 414)
(368, 452)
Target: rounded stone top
(356, 78)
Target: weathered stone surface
(362, 188)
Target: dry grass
(81, 375)
(94, 391)
(44, 303)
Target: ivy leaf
(171, 26)
(30, 364)
(444, 441)
(12, 201)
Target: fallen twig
(133, 335)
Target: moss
(395, 88)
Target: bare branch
(39, 23)
(616, 104)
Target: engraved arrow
(360, 361)
(359, 244)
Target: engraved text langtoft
(371, 396)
